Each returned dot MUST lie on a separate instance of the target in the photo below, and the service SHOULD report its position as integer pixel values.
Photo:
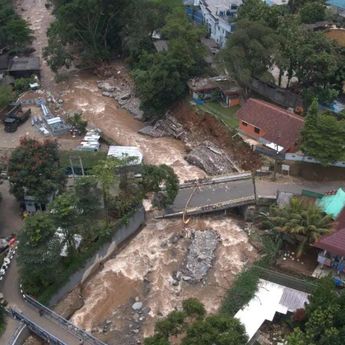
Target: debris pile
(201, 253)
(123, 93)
(167, 127)
(211, 159)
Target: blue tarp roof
(333, 204)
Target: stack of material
(212, 159)
(164, 128)
(90, 141)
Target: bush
(171, 325)
(23, 84)
(192, 307)
(242, 291)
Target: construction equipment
(15, 117)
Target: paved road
(211, 194)
(11, 222)
(233, 190)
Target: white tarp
(121, 152)
(269, 299)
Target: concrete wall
(122, 234)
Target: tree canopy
(324, 323)
(323, 135)
(191, 326)
(14, 31)
(249, 51)
(302, 223)
(34, 170)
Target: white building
(217, 17)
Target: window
(257, 130)
(245, 124)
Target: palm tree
(305, 223)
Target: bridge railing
(51, 339)
(80, 333)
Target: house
(24, 67)
(273, 126)
(270, 298)
(333, 252)
(206, 88)
(217, 16)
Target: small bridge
(215, 194)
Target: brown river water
(150, 254)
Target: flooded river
(144, 267)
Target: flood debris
(167, 127)
(212, 159)
(201, 254)
(123, 93)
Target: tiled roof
(281, 127)
(335, 242)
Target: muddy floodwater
(144, 269)
(81, 93)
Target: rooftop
(122, 152)
(280, 126)
(25, 64)
(335, 242)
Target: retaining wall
(122, 234)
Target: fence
(78, 332)
(286, 280)
(121, 234)
(36, 328)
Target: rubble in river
(201, 253)
(123, 93)
(211, 159)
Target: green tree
(304, 223)
(14, 31)
(6, 95)
(34, 170)
(323, 136)
(249, 51)
(312, 12)
(158, 179)
(191, 327)
(67, 217)
(216, 329)
(38, 253)
(92, 26)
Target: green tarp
(333, 204)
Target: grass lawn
(226, 115)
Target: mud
(146, 271)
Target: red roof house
(334, 243)
(270, 123)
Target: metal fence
(51, 339)
(78, 332)
(292, 282)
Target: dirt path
(39, 19)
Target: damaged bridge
(214, 194)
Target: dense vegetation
(34, 170)
(14, 31)
(269, 36)
(321, 129)
(323, 322)
(191, 326)
(91, 210)
(95, 30)
(297, 223)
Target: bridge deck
(210, 197)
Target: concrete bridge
(214, 194)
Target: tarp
(333, 204)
